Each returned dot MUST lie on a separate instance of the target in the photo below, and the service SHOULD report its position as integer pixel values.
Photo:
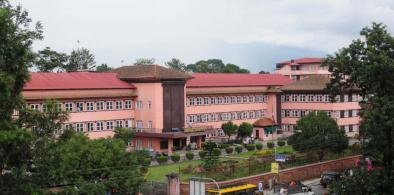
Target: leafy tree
(229, 128)
(318, 132)
(245, 130)
(124, 134)
(145, 61)
(49, 60)
(16, 38)
(264, 72)
(176, 64)
(80, 59)
(210, 160)
(368, 64)
(214, 66)
(103, 68)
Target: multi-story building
(298, 69)
(170, 109)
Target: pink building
(301, 68)
(171, 110)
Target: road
(314, 184)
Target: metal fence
(153, 188)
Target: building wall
(304, 71)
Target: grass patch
(158, 173)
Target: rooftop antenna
(78, 44)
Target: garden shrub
(270, 145)
(259, 146)
(202, 154)
(175, 157)
(281, 143)
(251, 147)
(238, 149)
(224, 146)
(229, 150)
(161, 159)
(217, 151)
(189, 155)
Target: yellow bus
(243, 189)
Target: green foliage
(189, 155)
(202, 154)
(214, 66)
(145, 61)
(270, 145)
(124, 134)
(259, 146)
(251, 147)
(80, 59)
(143, 157)
(217, 151)
(162, 159)
(176, 64)
(103, 68)
(229, 128)
(281, 143)
(211, 159)
(175, 157)
(264, 72)
(224, 146)
(238, 149)
(245, 130)
(49, 60)
(229, 150)
(318, 132)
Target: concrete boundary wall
(305, 172)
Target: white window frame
(80, 106)
(109, 125)
(69, 106)
(128, 104)
(35, 106)
(99, 126)
(119, 105)
(109, 105)
(100, 105)
(90, 126)
(150, 124)
(79, 127)
(89, 106)
(119, 123)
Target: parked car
(329, 177)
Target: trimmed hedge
(217, 151)
(251, 147)
(281, 143)
(259, 146)
(238, 149)
(189, 155)
(202, 154)
(270, 145)
(229, 150)
(162, 159)
(175, 157)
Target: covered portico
(265, 129)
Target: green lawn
(158, 173)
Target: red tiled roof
(236, 80)
(75, 80)
(302, 61)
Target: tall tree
(176, 64)
(245, 130)
(16, 38)
(318, 132)
(229, 128)
(103, 68)
(49, 60)
(210, 160)
(124, 134)
(214, 66)
(80, 59)
(368, 64)
(264, 72)
(145, 61)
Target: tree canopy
(145, 61)
(177, 65)
(49, 60)
(214, 66)
(229, 128)
(245, 130)
(318, 132)
(80, 59)
(103, 68)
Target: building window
(191, 101)
(139, 144)
(163, 144)
(119, 123)
(100, 105)
(206, 100)
(294, 98)
(302, 98)
(355, 128)
(234, 115)
(302, 113)
(220, 100)
(199, 100)
(259, 114)
(310, 98)
(345, 98)
(252, 114)
(119, 105)
(346, 113)
(129, 124)
(346, 128)
(127, 104)
(150, 124)
(294, 113)
(328, 113)
(90, 126)
(110, 125)
(89, 106)
(139, 124)
(260, 98)
(110, 105)
(239, 99)
(337, 114)
(35, 106)
(204, 117)
(226, 100)
(150, 145)
(354, 113)
(214, 100)
(214, 117)
(138, 105)
(287, 113)
(149, 104)
(79, 127)
(233, 99)
(99, 126)
(79, 106)
(251, 99)
(326, 98)
(69, 107)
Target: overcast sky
(254, 34)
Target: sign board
(280, 157)
(274, 167)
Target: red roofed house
(301, 68)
